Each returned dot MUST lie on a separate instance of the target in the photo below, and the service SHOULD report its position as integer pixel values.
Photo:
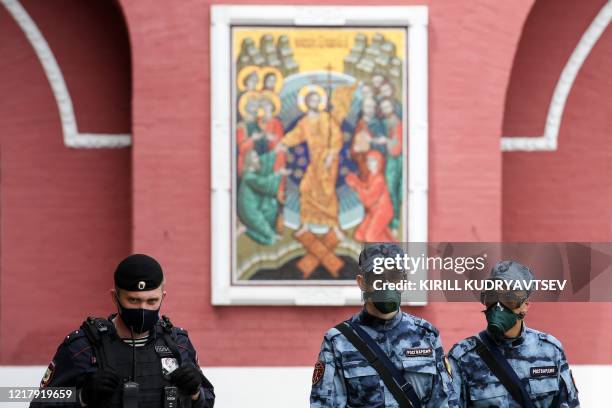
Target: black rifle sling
(377, 362)
(500, 367)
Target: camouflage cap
(515, 272)
(372, 251)
(511, 271)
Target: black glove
(99, 386)
(188, 378)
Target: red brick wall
(65, 214)
(564, 195)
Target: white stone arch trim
(549, 140)
(72, 137)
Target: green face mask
(500, 319)
(385, 301)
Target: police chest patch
(48, 375)
(418, 352)
(317, 374)
(168, 365)
(547, 371)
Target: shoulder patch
(48, 376)
(461, 348)
(551, 339)
(317, 374)
(426, 325)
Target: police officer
(134, 358)
(344, 376)
(509, 364)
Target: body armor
(148, 365)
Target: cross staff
(328, 107)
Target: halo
(308, 89)
(245, 72)
(243, 101)
(275, 101)
(279, 77)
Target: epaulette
(463, 347)
(551, 339)
(73, 336)
(331, 333)
(180, 331)
(426, 325)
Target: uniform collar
(366, 319)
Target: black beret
(138, 272)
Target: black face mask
(139, 320)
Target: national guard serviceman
(381, 357)
(510, 364)
(133, 358)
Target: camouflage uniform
(538, 360)
(343, 377)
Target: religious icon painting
(313, 123)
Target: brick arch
(51, 64)
(542, 18)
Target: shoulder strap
(499, 366)
(97, 333)
(402, 391)
(170, 338)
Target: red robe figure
(363, 137)
(375, 198)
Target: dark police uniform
(76, 357)
(99, 364)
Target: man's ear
(361, 283)
(114, 295)
(526, 306)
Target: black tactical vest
(112, 353)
